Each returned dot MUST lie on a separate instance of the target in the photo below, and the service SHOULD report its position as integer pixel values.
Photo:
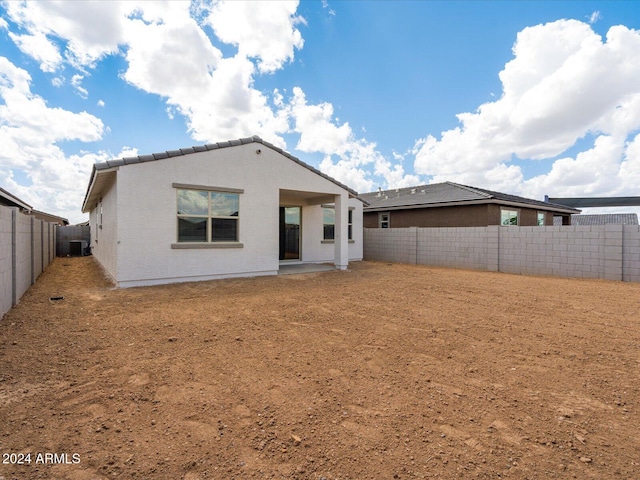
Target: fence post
(33, 248)
(41, 246)
(413, 255)
(613, 252)
(493, 248)
(14, 263)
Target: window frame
(209, 242)
(511, 210)
(349, 224)
(544, 218)
(382, 221)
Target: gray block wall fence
(27, 247)
(609, 252)
(68, 233)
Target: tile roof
(213, 146)
(110, 164)
(9, 199)
(449, 193)
(602, 219)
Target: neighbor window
(541, 219)
(207, 216)
(384, 220)
(329, 223)
(508, 217)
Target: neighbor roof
(9, 199)
(95, 184)
(449, 194)
(605, 219)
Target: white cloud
(263, 30)
(76, 82)
(29, 133)
(564, 84)
(588, 174)
(320, 133)
(325, 4)
(40, 48)
(92, 29)
(594, 17)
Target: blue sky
(529, 98)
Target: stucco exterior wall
(104, 231)
(314, 248)
(146, 223)
(462, 216)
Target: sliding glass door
(290, 220)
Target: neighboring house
(230, 209)
(9, 200)
(47, 217)
(604, 219)
(449, 204)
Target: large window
(329, 223)
(207, 216)
(508, 217)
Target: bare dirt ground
(384, 371)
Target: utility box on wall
(77, 248)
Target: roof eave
(92, 194)
(111, 164)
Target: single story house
(231, 209)
(8, 199)
(450, 204)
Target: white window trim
(517, 212)
(387, 221)
(349, 224)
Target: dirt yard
(382, 372)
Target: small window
(207, 216)
(541, 219)
(508, 217)
(384, 220)
(329, 223)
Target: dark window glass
(329, 231)
(224, 230)
(328, 221)
(192, 229)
